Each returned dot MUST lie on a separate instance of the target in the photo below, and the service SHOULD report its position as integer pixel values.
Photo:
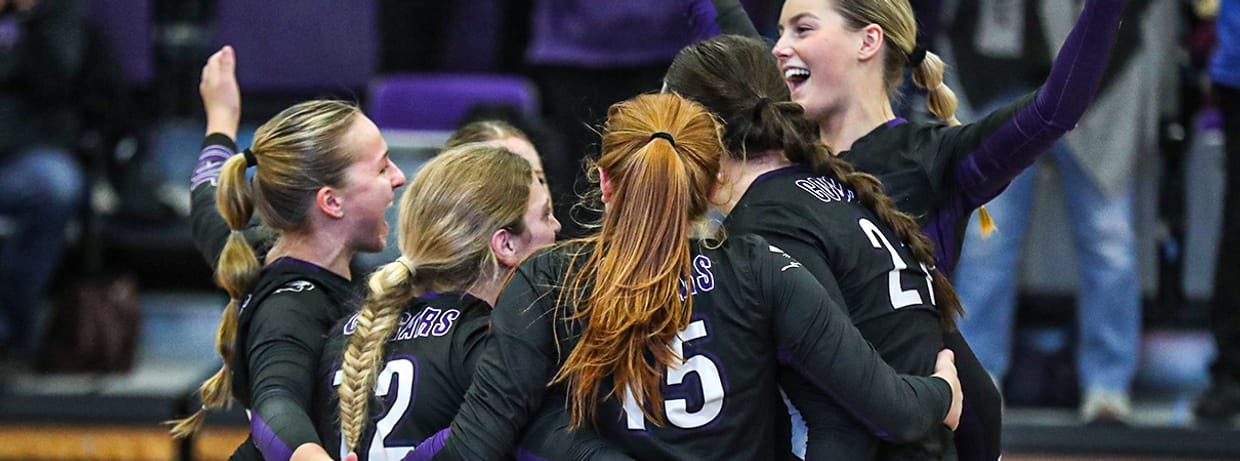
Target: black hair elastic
(664, 135)
(250, 159)
(917, 56)
(757, 108)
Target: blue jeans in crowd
(41, 190)
(1109, 294)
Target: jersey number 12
(405, 371)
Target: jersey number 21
(899, 296)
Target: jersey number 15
(677, 410)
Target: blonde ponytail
(236, 272)
(940, 98)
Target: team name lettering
(703, 279)
(826, 189)
(429, 322)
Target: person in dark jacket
(42, 52)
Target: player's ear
(507, 246)
(605, 185)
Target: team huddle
(817, 322)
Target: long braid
(448, 213)
(390, 290)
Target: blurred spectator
(1096, 164)
(585, 56)
(1222, 400)
(42, 51)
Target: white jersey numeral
(899, 296)
(677, 410)
(405, 371)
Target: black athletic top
(428, 364)
(280, 336)
(279, 340)
(755, 311)
(887, 293)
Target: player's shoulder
(745, 255)
(797, 192)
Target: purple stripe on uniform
(526, 455)
(210, 163)
(785, 357)
(297, 262)
(429, 447)
(943, 232)
(267, 441)
(895, 122)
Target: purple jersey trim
(895, 122)
(297, 262)
(210, 163)
(429, 447)
(525, 455)
(267, 441)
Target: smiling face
(817, 54)
(370, 184)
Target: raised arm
(221, 100)
(1060, 103)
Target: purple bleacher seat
(127, 25)
(441, 101)
(301, 45)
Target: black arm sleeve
(978, 438)
(833, 433)
(511, 377)
(548, 437)
(284, 344)
(207, 227)
(819, 341)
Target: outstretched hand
(221, 96)
(945, 368)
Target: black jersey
(280, 336)
(755, 311)
(427, 365)
(888, 294)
